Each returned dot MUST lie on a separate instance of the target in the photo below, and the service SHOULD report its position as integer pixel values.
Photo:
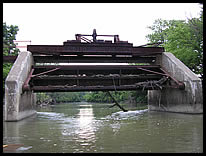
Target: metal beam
(92, 80)
(93, 50)
(96, 69)
(180, 84)
(95, 59)
(96, 77)
(54, 78)
(26, 85)
(87, 88)
(46, 72)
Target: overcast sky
(54, 23)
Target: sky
(54, 23)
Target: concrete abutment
(189, 100)
(19, 104)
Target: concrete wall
(189, 100)
(19, 104)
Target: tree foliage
(9, 35)
(96, 96)
(61, 96)
(9, 47)
(182, 38)
(100, 96)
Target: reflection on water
(85, 132)
(86, 127)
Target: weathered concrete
(189, 100)
(19, 104)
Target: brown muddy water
(95, 128)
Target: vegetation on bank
(9, 47)
(97, 96)
(183, 38)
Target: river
(95, 128)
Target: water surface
(95, 128)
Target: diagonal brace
(26, 83)
(46, 72)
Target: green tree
(9, 35)
(96, 96)
(66, 96)
(183, 38)
(9, 47)
(43, 97)
(196, 30)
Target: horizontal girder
(88, 88)
(87, 59)
(90, 49)
(92, 80)
(96, 69)
(95, 59)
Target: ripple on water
(125, 115)
(50, 115)
(60, 117)
(24, 148)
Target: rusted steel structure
(47, 75)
